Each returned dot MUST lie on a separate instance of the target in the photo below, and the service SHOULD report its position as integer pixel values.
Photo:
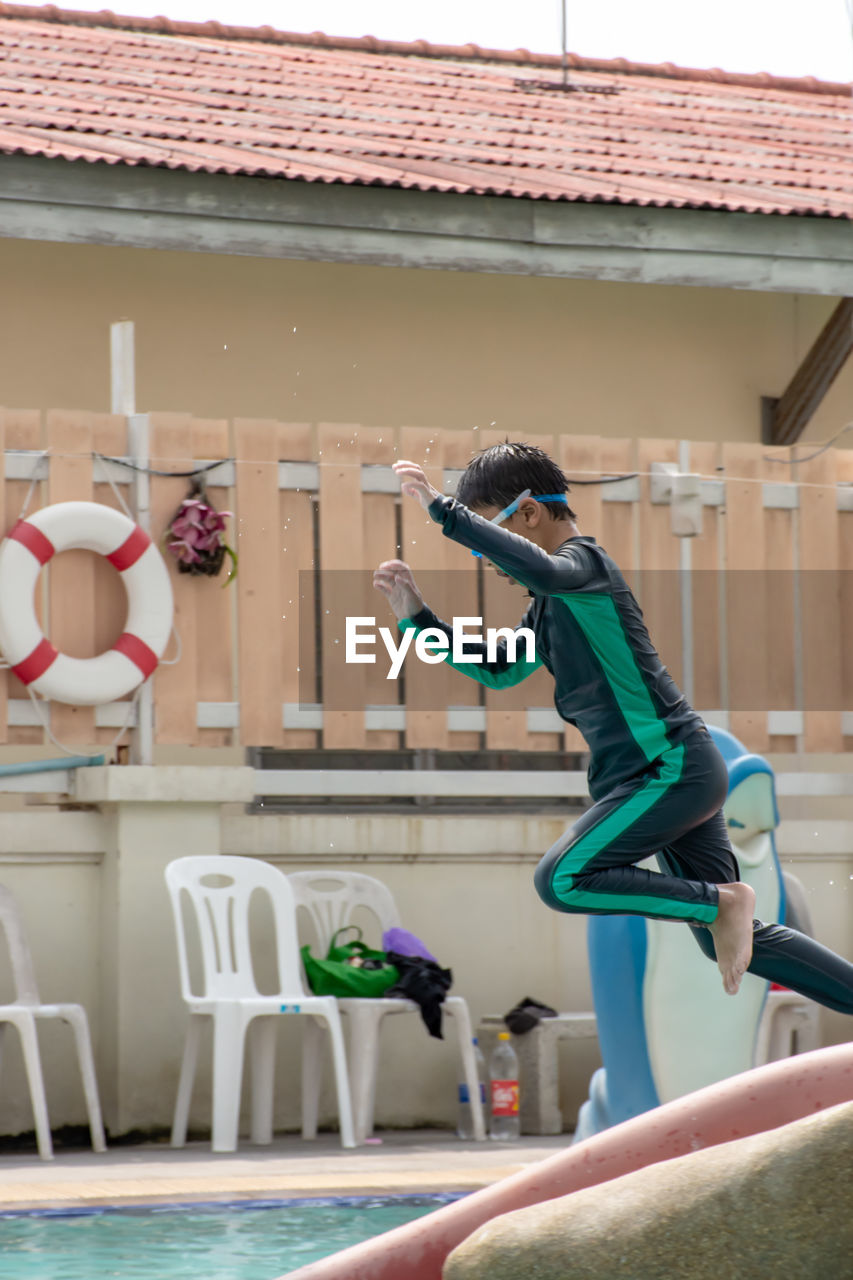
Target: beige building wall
(225, 337)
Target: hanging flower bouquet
(196, 537)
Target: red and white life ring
(90, 526)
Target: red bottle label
(504, 1097)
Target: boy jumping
(656, 778)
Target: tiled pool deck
(405, 1162)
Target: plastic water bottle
(465, 1118)
(503, 1072)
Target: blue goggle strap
(513, 507)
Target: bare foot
(732, 933)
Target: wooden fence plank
(706, 575)
(23, 430)
(4, 684)
(780, 598)
(819, 604)
(258, 591)
(844, 477)
(296, 584)
(71, 583)
(658, 589)
(463, 580)
(747, 641)
(379, 512)
(618, 519)
(341, 552)
(175, 687)
(214, 601)
(429, 689)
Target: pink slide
(764, 1098)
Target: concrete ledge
(152, 784)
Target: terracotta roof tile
(202, 97)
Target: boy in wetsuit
(656, 778)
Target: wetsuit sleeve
(569, 570)
(510, 664)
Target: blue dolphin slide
(665, 1025)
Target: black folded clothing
(526, 1014)
(426, 983)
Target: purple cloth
(405, 944)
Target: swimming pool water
(208, 1242)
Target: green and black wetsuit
(656, 778)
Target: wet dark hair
(496, 476)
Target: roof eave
(156, 208)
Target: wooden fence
(754, 614)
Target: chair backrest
(23, 973)
(333, 897)
(220, 889)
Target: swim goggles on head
(513, 507)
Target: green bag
(349, 969)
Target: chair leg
(262, 1050)
(82, 1040)
(189, 1063)
(761, 1050)
(458, 1009)
(342, 1083)
(229, 1031)
(313, 1061)
(364, 1051)
(35, 1080)
(808, 1029)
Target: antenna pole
(564, 45)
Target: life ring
(89, 526)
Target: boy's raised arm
(516, 556)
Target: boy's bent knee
(543, 880)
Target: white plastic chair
(332, 898)
(23, 1013)
(790, 1022)
(786, 1014)
(219, 888)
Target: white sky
(785, 37)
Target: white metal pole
(122, 368)
(142, 740)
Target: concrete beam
(184, 784)
(81, 203)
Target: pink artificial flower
(195, 536)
